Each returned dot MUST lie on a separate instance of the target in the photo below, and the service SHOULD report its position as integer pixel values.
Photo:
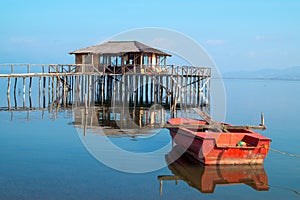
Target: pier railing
(136, 85)
(36, 70)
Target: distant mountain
(291, 73)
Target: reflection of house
(122, 56)
(117, 117)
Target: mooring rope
(284, 153)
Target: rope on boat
(284, 153)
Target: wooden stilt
(24, 90)
(8, 86)
(15, 92)
(30, 84)
(8, 93)
(147, 90)
(65, 90)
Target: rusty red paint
(220, 147)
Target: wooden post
(88, 90)
(199, 77)
(49, 87)
(30, 84)
(136, 88)
(30, 101)
(147, 87)
(191, 89)
(8, 93)
(161, 89)
(262, 118)
(52, 95)
(102, 89)
(12, 68)
(8, 86)
(172, 87)
(167, 90)
(151, 88)
(64, 90)
(39, 88)
(15, 92)
(24, 90)
(155, 89)
(121, 82)
(141, 88)
(57, 91)
(126, 89)
(44, 85)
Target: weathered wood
(15, 93)
(30, 85)
(64, 91)
(214, 126)
(167, 87)
(168, 178)
(12, 68)
(147, 90)
(8, 86)
(24, 90)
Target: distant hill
(291, 73)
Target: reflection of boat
(219, 145)
(206, 177)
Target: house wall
(96, 59)
(78, 59)
(87, 59)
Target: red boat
(219, 143)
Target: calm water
(45, 158)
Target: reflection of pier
(206, 178)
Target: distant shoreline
(254, 78)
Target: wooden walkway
(170, 86)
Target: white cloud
(162, 42)
(260, 37)
(251, 54)
(215, 42)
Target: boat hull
(212, 148)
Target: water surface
(42, 156)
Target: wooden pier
(173, 85)
(124, 76)
(54, 86)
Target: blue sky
(238, 35)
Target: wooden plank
(224, 127)
(205, 116)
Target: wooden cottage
(120, 57)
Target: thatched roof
(119, 47)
